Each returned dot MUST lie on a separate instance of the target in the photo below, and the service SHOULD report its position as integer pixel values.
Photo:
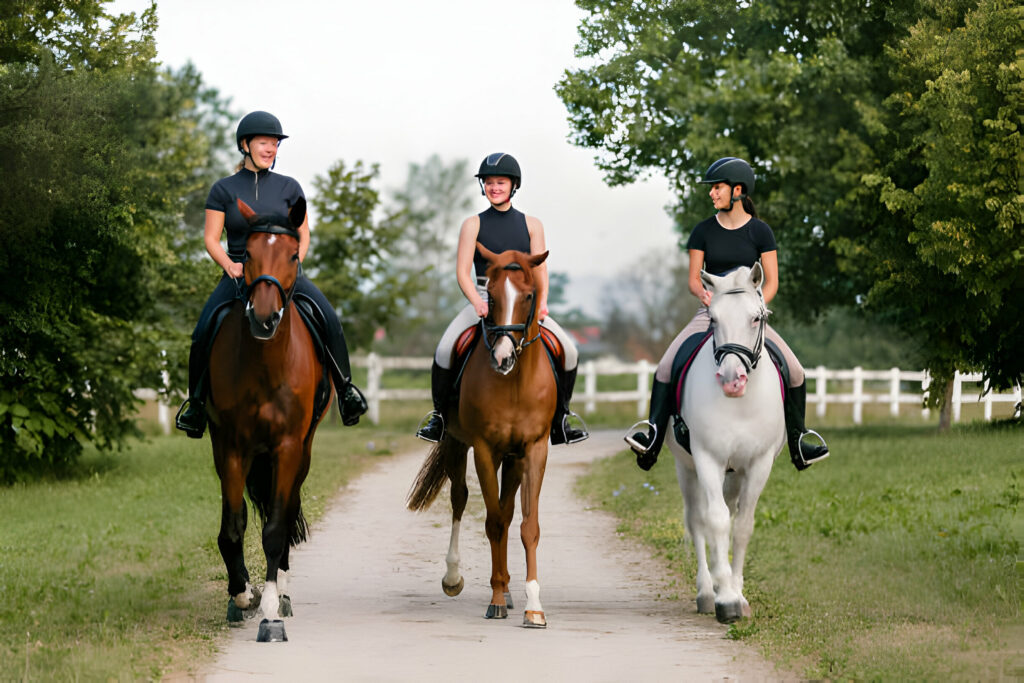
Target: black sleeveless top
(501, 231)
(266, 192)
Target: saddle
(467, 341)
(681, 367)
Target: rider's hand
(705, 298)
(481, 308)
(543, 312)
(235, 270)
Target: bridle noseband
(499, 331)
(749, 357)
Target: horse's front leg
(455, 467)
(535, 463)
(749, 491)
(486, 471)
(233, 516)
(694, 516)
(728, 600)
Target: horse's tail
(259, 484)
(434, 472)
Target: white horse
(732, 405)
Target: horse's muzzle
(263, 329)
(503, 356)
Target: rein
(749, 357)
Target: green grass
(114, 573)
(898, 558)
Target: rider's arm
(696, 286)
(538, 245)
(464, 264)
(770, 266)
(303, 238)
(212, 230)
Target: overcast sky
(394, 81)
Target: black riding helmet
(500, 164)
(733, 171)
(258, 123)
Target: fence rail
(892, 387)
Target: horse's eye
(529, 297)
(295, 256)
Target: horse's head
(738, 318)
(511, 323)
(271, 266)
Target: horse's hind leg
(455, 468)
(693, 515)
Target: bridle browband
(499, 331)
(749, 357)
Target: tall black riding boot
(432, 428)
(648, 444)
(802, 454)
(191, 417)
(561, 430)
(351, 403)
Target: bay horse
(732, 405)
(504, 413)
(267, 396)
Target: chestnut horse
(504, 412)
(264, 408)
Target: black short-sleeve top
(265, 192)
(726, 249)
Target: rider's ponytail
(748, 206)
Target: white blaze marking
(511, 294)
(273, 238)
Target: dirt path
(366, 591)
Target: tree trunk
(946, 409)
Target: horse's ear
(297, 214)
(538, 259)
(705, 277)
(247, 213)
(488, 255)
(757, 275)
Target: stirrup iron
(426, 421)
(800, 448)
(635, 445)
(585, 433)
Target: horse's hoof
(728, 613)
(534, 619)
(747, 612)
(508, 601)
(235, 613)
(452, 591)
(284, 607)
(496, 612)
(705, 604)
(271, 632)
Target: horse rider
(258, 137)
(499, 228)
(733, 237)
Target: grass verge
(114, 572)
(898, 558)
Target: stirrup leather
(800, 448)
(426, 422)
(636, 445)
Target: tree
(435, 199)
(97, 174)
(352, 255)
(830, 102)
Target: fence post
(858, 395)
(894, 392)
(925, 383)
(820, 390)
(643, 387)
(958, 394)
(590, 386)
(988, 401)
(374, 370)
(163, 412)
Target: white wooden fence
(865, 387)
